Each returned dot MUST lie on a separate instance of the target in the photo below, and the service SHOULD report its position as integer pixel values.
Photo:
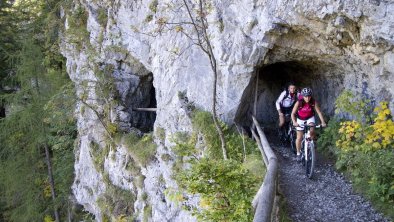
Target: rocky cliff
(125, 54)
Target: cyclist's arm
(277, 103)
(293, 114)
(320, 114)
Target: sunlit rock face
(125, 62)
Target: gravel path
(325, 197)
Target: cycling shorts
(286, 110)
(308, 121)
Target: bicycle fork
(306, 143)
(306, 148)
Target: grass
(142, 148)
(147, 213)
(116, 201)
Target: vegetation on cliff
(225, 187)
(361, 138)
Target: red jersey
(306, 110)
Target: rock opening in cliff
(144, 120)
(141, 103)
(324, 78)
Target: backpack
(286, 95)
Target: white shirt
(286, 102)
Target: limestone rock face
(123, 55)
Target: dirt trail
(325, 197)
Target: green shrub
(116, 201)
(357, 107)
(153, 6)
(160, 134)
(255, 166)
(364, 149)
(77, 22)
(148, 18)
(147, 213)
(203, 122)
(98, 155)
(326, 139)
(142, 149)
(102, 17)
(225, 187)
(166, 157)
(139, 181)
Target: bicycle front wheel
(310, 160)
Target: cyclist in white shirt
(285, 102)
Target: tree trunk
(215, 79)
(51, 182)
(203, 38)
(215, 118)
(2, 112)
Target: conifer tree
(36, 154)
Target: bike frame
(308, 145)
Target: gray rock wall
(328, 45)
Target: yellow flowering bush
(48, 218)
(354, 135)
(364, 147)
(382, 133)
(350, 133)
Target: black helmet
(306, 91)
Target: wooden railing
(264, 202)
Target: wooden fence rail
(264, 201)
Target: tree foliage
(39, 113)
(225, 187)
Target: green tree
(7, 45)
(36, 156)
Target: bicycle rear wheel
(310, 160)
(282, 135)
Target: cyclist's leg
(298, 145)
(286, 126)
(300, 133)
(311, 122)
(281, 120)
(298, 140)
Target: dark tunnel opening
(324, 79)
(143, 96)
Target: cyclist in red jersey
(304, 110)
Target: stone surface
(329, 45)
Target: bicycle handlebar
(317, 126)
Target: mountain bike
(287, 134)
(308, 153)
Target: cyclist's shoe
(299, 158)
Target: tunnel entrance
(324, 79)
(144, 96)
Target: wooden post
(145, 109)
(260, 147)
(265, 198)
